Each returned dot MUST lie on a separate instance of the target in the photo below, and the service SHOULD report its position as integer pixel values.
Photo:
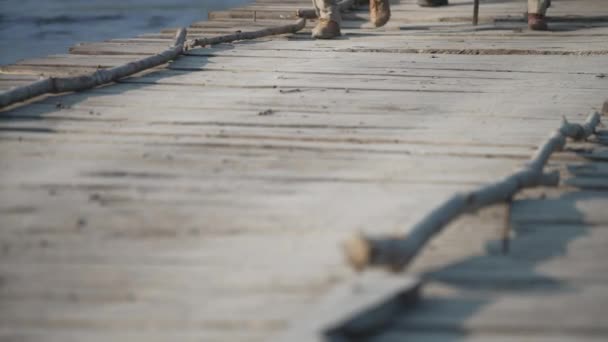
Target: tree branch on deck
(105, 76)
(397, 252)
(99, 77)
(271, 31)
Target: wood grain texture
(208, 199)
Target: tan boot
(537, 22)
(379, 12)
(326, 29)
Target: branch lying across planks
(271, 31)
(397, 252)
(312, 14)
(99, 77)
(83, 82)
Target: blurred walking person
(328, 13)
(536, 14)
(536, 11)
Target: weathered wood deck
(207, 200)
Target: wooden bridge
(207, 199)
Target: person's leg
(329, 19)
(379, 12)
(327, 9)
(536, 14)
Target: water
(37, 28)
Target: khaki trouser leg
(327, 9)
(537, 6)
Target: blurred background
(36, 28)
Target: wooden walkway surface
(206, 200)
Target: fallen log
(310, 13)
(271, 31)
(99, 77)
(105, 76)
(397, 252)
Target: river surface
(37, 28)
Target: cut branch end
(358, 252)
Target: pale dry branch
(99, 77)
(271, 31)
(105, 76)
(397, 252)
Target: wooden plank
(531, 314)
(207, 200)
(396, 336)
(573, 207)
(359, 307)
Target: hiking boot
(537, 22)
(326, 29)
(432, 3)
(379, 12)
